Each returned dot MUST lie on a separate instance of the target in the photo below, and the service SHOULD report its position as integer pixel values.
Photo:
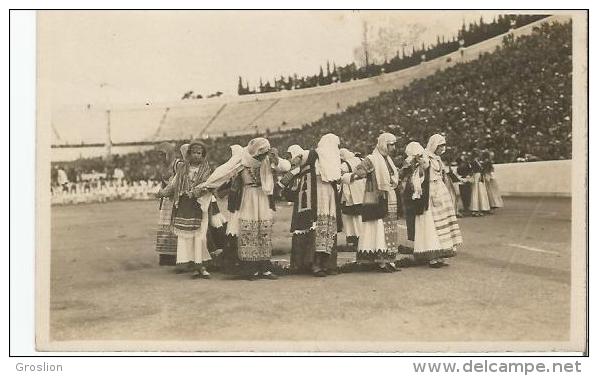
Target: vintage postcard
(312, 181)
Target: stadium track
(510, 282)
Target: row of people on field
(477, 186)
(332, 190)
(103, 191)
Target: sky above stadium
(117, 57)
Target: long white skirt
(426, 238)
(372, 236)
(437, 232)
(378, 242)
(191, 246)
(326, 219)
(352, 224)
(253, 225)
(479, 194)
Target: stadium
(506, 90)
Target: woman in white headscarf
(415, 193)
(217, 234)
(251, 204)
(296, 187)
(437, 232)
(351, 199)
(379, 237)
(317, 205)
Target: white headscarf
(184, 149)
(412, 150)
(352, 192)
(255, 147)
(296, 150)
(235, 150)
(349, 157)
(329, 159)
(382, 162)
(383, 140)
(433, 143)
(345, 154)
(238, 161)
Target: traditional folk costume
(351, 199)
(165, 237)
(251, 205)
(296, 188)
(316, 211)
(437, 232)
(494, 196)
(415, 194)
(479, 195)
(379, 232)
(191, 208)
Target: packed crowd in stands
(514, 102)
(468, 35)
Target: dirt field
(510, 281)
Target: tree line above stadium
(467, 36)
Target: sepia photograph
(317, 181)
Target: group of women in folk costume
(479, 189)
(331, 190)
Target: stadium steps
(183, 122)
(212, 119)
(254, 120)
(236, 116)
